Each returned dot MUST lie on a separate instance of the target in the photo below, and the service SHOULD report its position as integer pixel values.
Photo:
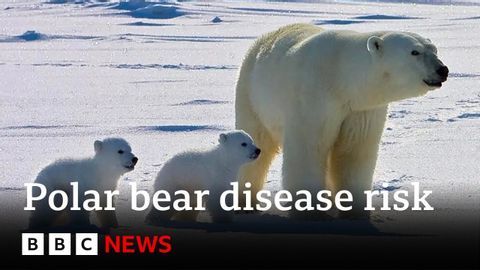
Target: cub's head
(115, 153)
(239, 146)
(408, 63)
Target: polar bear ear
(374, 44)
(97, 146)
(222, 138)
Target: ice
(31, 36)
(216, 19)
(140, 23)
(201, 102)
(180, 128)
(151, 10)
(162, 75)
(384, 17)
(336, 22)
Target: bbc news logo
(87, 244)
(59, 244)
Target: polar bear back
(328, 61)
(60, 173)
(283, 39)
(189, 170)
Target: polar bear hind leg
(247, 120)
(187, 215)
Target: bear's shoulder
(66, 164)
(286, 37)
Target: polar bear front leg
(42, 217)
(354, 156)
(80, 218)
(218, 214)
(107, 218)
(305, 154)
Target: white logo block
(86, 244)
(59, 244)
(32, 244)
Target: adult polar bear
(322, 97)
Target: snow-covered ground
(162, 75)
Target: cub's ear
(222, 138)
(374, 44)
(97, 146)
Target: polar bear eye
(415, 52)
(120, 152)
(244, 144)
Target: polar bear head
(408, 64)
(116, 154)
(239, 146)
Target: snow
(362, 19)
(216, 19)
(73, 73)
(150, 10)
(157, 12)
(338, 22)
(140, 23)
(31, 36)
(384, 17)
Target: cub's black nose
(258, 151)
(134, 160)
(443, 71)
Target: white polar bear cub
(113, 157)
(321, 96)
(211, 170)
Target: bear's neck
(104, 172)
(369, 92)
(227, 164)
(369, 77)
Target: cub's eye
(244, 144)
(120, 152)
(414, 52)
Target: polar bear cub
(113, 157)
(211, 170)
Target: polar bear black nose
(443, 71)
(134, 160)
(258, 151)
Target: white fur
(322, 97)
(213, 170)
(99, 173)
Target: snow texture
(76, 71)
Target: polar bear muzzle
(442, 73)
(132, 165)
(255, 154)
